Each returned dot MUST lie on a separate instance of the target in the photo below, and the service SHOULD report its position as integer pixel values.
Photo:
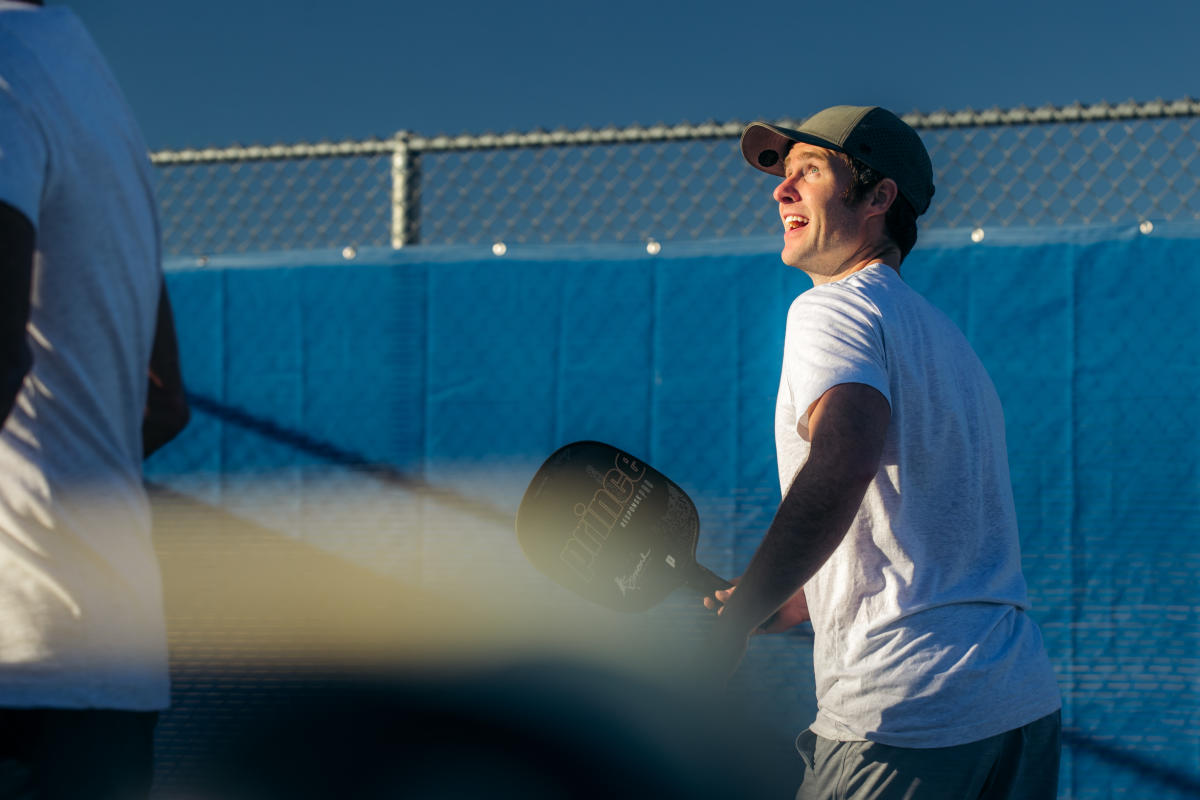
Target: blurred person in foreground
(897, 532)
(89, 384)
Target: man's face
(822, 233)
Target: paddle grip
(705, 581)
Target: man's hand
(789, 615)
(717, 600)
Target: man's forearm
(811, 521)
(848, 425)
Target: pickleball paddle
(611, 528)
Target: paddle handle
(705, 581)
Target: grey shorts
(1021, 764)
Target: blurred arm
(166, 402)
(17, 243)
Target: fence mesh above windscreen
(1051, 166)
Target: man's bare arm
(17, 244)
(848, 426)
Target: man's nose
(786, 192)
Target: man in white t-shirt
(897, 533)
(89, 384)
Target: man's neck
(888, 256)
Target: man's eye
(808, 172)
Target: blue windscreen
(445, 375)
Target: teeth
(793, 221)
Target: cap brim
(766, 146)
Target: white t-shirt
(922, 639)
(81, 618)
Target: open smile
(793, 221)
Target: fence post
(406, 192)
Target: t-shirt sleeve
(22, 155)
(834, 336)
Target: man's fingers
(717, 600)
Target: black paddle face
(609, 527)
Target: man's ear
(881, 197)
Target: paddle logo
(629, 583)
(622, 488)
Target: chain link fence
(1069, 165)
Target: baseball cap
(873, 135)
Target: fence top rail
(415, 143)
(412, 143)
(215, 155)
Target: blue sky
(217, 72)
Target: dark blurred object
(551, 729)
